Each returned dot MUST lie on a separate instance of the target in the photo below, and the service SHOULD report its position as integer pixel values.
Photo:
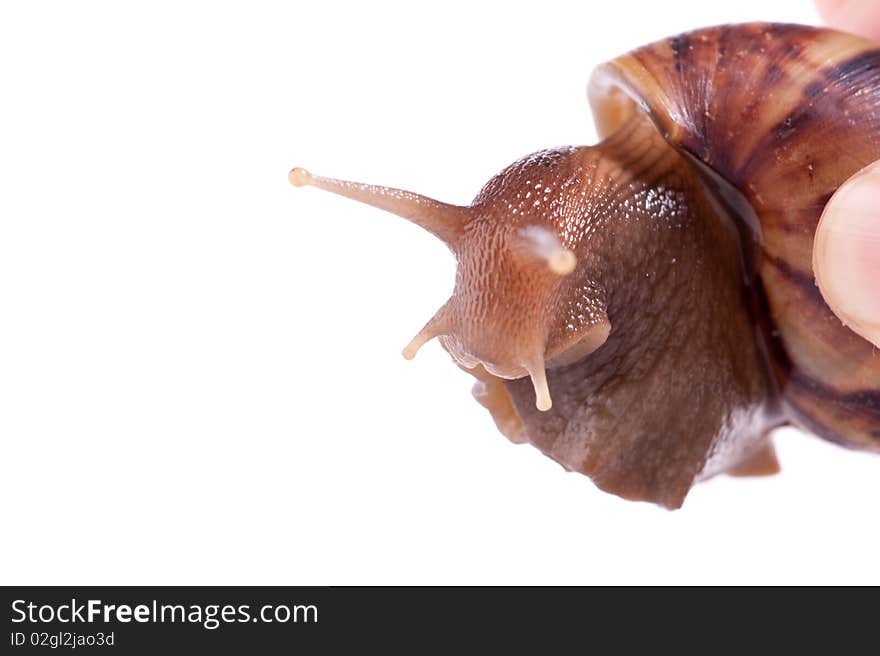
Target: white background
(200, 371)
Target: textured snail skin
(662, 279)
(679, 389)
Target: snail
(644, 310)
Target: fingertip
(861, 17)
(828, 9)
(846, 253)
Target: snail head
(514, 308)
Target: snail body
(644, 310)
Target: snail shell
(785, 114)
(644, 311)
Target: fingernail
(846, 253)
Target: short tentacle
(439, 324)
(540, 243)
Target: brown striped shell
(643, 311)
(785, 114)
